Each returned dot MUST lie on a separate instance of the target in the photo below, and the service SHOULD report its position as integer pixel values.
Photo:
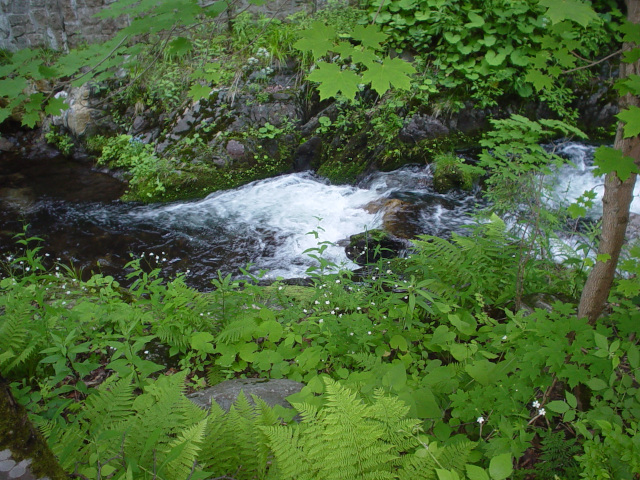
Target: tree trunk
(615, 203)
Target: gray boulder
(272, 391)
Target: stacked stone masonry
(56, 24)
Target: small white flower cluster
(266, 71)
(263, 52)
(541, 411)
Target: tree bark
(615, 203)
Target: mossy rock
(373, 245)
(18, 434)
(451, 174)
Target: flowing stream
(270, 224)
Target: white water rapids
(268, 223)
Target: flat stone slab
(272, 391)
(12, 470)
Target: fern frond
(182, 452)
(239, 329)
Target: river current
(269, 224)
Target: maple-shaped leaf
(179, 47)
(394, 72)
(55, 105)
(574, 10)
(198, 91)
(369, 36)
(609, 160)
(318, 39)
(630, 84)
(358, 54)
(216, 8)
(332, 80)
(4, 114)
(211, 72)
(631, 119)
(631, 32)
(12, 87)
(538, 79)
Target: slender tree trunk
(615, 203)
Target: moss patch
(19, 435)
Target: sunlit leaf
(609, 160)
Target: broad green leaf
(399, 342)
(631, 118)
(332, 80)
(494, 59)
(370, 36)
(576, 211)
(476, 473)
(179, 46)
(211, 72)
(596, 384)
(481, 371)
(609, 160)
(603, 257)
(519, 58)
(451, 37)
(630, 84)
(215, 9)
(571, 399)
(12, 87)
(539, 80)
(197, 91)
(601, 341)
(318, 39)
(500, 467)
(475, 20)
(394, 72)
(201, 342)
(426, 404)
(4, 114)
(358, 54)
(55, 105)
(557, 406)
(573, 10)
(447, 474)
(631, 32)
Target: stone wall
(65, 24)
(57, 24)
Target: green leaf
(399, 342)
(501, 466)
(12, 87)
(332, 80)
(318, 39)
(596, 384)
(519, 58)
(451, 37)
(476, 473)
(557, 406)
(630, 31)
(55, 105)
(603, 257)
(539, 80)
(630, 84)
(571, 399)
(608, 160)
(481, 371)
(201, 342)
(633, 355)
(394, 72)
(179, 46)
(4, 114)
(573, 10)
(631, 118)
(447, 474)
(198, 92)
(475, 20)
(370, 36)
(494, 59)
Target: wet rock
(83, 118)
(398, 217)
(370, 246)
(272, 391)
(307, 155)
(235, 149)
(6, 145)
(421, 127)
